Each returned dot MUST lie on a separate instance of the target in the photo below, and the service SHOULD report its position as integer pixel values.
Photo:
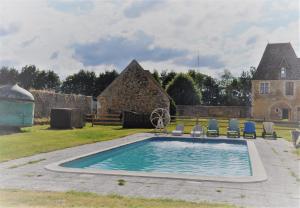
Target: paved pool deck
(282, 189)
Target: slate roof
(133, 65)
(14, 92)
(276, 56)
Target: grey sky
(68, 35)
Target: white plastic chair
(197, 131)
(178, 131)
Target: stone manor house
(276, 84)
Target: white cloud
(234, 31)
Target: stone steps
(107, 123)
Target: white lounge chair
(268, 130)
(197, 131)
(178, 131)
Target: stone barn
(134, 89)
(276, 84)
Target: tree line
(84, 82)
(188, 88)
(193, 88)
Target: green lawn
(33, 199)
(39, 139)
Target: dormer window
(283, 73)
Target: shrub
(183, 91)
(172, 108)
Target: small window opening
(283, 72)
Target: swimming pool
(173, 157)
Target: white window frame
(264, 91)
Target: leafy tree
(28, 76)
(236, 91)
(40, 80)
(53, 81)
(197, 77)
(156, 76)
(245, 86)
(183, 90)
(226, 79)
(104, 80)
(47, 80)
(230, 97)
(8, 75)
(210, 92)
(32, 77)
(166, 77)
(228, 89)
(172, 107)
(81, 83)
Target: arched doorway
(280, 111)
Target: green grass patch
(121, 182)
(274, 151)
(40, 139)
(218, 190)
(293, 174)
(297, 152)
(33, 199)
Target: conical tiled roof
(276, 56)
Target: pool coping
(258, 170)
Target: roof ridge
(282, 43)
(135, 64)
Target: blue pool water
(190, 156)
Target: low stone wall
(214, 111)
(45, 100)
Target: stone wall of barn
(214, 111)
(45, 100)
(133, 91)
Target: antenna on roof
(198, 60)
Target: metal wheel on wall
(160, 118)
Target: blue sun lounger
(249, 130)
